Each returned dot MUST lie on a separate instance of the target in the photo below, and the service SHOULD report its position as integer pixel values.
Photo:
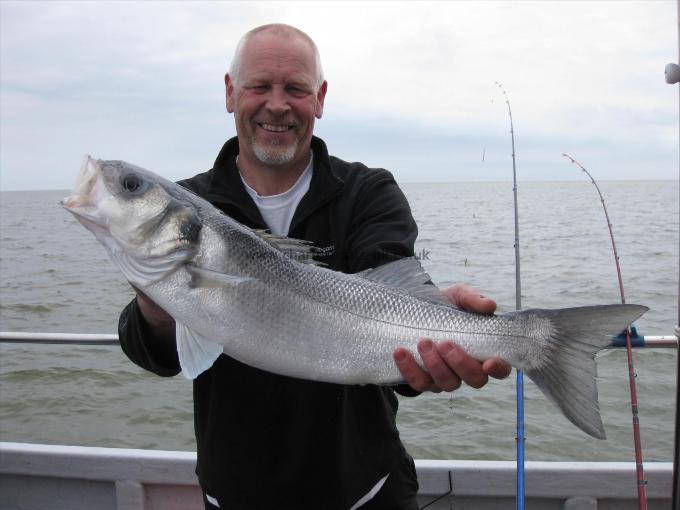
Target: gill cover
(156, 231)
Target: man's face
(276, 100)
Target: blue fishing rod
(518, 306)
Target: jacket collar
(226, 186)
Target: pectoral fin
(208, 278)
(196, 353)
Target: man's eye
(259, 88)
(297, 91)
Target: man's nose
(277, 102)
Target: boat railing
(57, 477)
(637, 341)
(58, 338)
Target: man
(268, 441)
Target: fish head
(146, 225)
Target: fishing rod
(673, 77)
(641, 483)
(518, 306)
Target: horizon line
(465, 181)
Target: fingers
(467, 298)
(411, 371)
(497, 368)
(437, 359)
(464, 366)
(446, 367)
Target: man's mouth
(275, 128)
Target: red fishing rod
(641, 483)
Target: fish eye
(131, 183)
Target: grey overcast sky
(411, 86)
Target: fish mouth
(82, 197)
(87, 196)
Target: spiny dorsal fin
(298, 249)
(408, 275)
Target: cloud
(411, 85)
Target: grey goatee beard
(273, 154)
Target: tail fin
(568, 378)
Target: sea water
(55, 277)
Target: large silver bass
(258, 298)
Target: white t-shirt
(277, 210)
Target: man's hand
(447, 364)
(158, 320)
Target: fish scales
(317, 300)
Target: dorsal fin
(408, 275)
(298, 249)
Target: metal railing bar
(649, 342)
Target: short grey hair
(279, 29)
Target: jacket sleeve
(158, 355)
(382, 230)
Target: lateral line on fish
(434, 330)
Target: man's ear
(320, 96)
(229, 90)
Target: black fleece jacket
(269, 441)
